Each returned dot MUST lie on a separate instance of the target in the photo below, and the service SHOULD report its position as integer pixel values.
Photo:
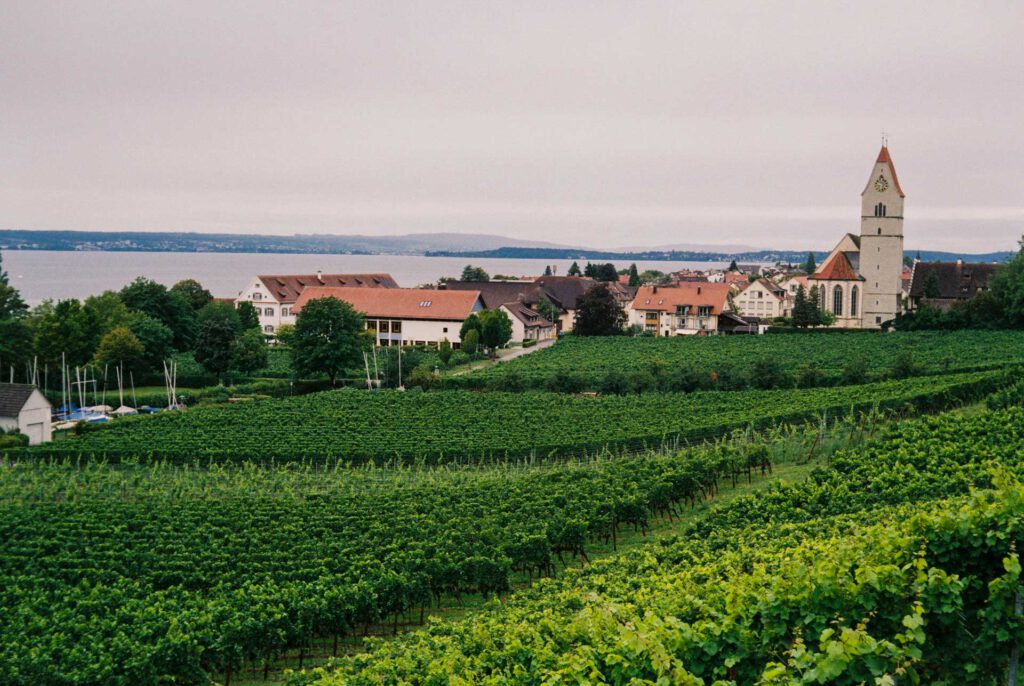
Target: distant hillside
(144, 241)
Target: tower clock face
(881, 184)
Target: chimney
(654, 289)
(698, 290)
(320, 276)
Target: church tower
(881, 244)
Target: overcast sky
(593, 123)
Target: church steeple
(882, 196)
(881, 242)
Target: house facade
(405, 316)
(943, 284)
(274, 296)
(762, 299)
(527, 324)
(681, 310)
(25, 408)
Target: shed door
(35, 433)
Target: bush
(854, 372)
(768, 373)
(13, 439)
(810, 376)
(565, 382)
(904, 367)
(688, 380)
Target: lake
(41, 274)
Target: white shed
(24, 408)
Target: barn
(25, 408)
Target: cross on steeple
(885, 139)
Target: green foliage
(249, 353)
(11, 304)
(471, 273)
(598, 313)
(65, 328)
(108, 310)
(465, 426)
(120, 347)
(574, 270)
(193, 292)
(733, 267)
(249, 318)
(171, 309)
(329, 338)
(809, 265)
(1008, 289)
(218, 329)
(156, 339)
(547, 309)
(444, 351)
(470, 340)
(931, 285)
(495, 328)
(847, 358)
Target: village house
(792, 284)
(404, 316)
(762, 299)
(684, 309)
(25, 408)
(943, 284)
(274, 296)
(527, 324)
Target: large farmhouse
(686, 309)
(943, 284)
(404, 316)
(274, 296)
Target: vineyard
(146, 574)
(355, 426)
(683, 363)
(879, 569)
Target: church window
(879, 230)
(880, 210)
(854, 292)
(837, 301)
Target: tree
(120, 347)
(733, 267)
(547, 270)
(801, 315)
(215, 343)
(171, 309)
(471, 273)
(156, 339)
(634, 276)
(193, 292)
(605, 272)
(590, 270)
(814, 313)
(574, 269)
(329, 338)
(931, 285)
(1007, 288)
(470, 341)
(472, 323)
(809, 265)
(109, 311)
(250, 352)
(598, 313)
(248, 317)
(11, 304)
(495, 329)
(548, 309)
(285, 334)
(444, 351)
(65, 328)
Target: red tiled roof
(527, 315)
(836, 268)
(399, 303)
(885, 158)
(286, 288)
(666, 298)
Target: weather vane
(885, 140)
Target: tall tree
(590, 270)
(495, 329)
(193, 291)
(215, 344)
(248, 316)
(471, 273)
(815, 315)
(120, 347)
(250, 351)
(156, 339)
(548, 309)
(931, 285)
(15, 336)
(547, 270)
(329, 338)
(733, 267)
(109, 311)
(605, 272)
(809, 265)
(598, 313)
(574, 269)
(171, 309)
(1007, 288)
(66, 329)
(11, 304)
(472, 323)
(801, 316)
(634, 276)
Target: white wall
(33, 420)
(427, 331)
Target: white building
(762, 299)
(405, 316)
(685, 309)
(25, 408)
(527, 324)
(861, 281)
(274, 296)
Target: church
(860, 281)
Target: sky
(600, 124)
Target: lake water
(41, 274)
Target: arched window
(854, 292)
(837, 301)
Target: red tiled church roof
(884, 158)
(837, 268)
